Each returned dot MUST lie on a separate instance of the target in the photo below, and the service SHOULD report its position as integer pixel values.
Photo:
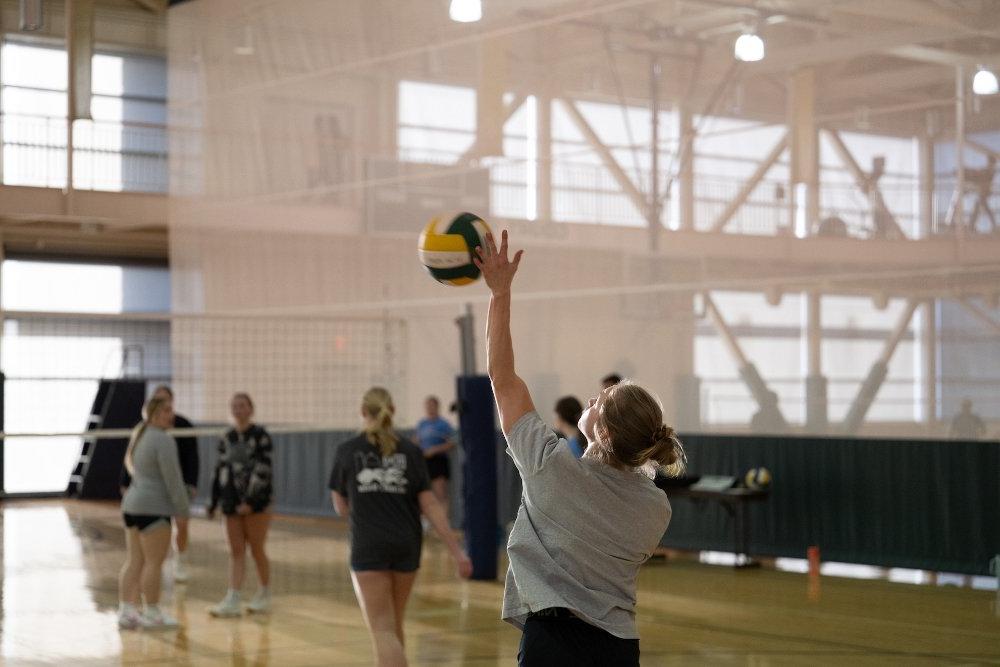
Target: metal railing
(107, 155)
(588, 193)
(133, 157)
(726, 400)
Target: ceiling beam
(887, 81)
(904, 11)
(786, 59)
(944, 57)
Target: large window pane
(52, 364)
(123, 148)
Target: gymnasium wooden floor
(61, 558)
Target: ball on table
(447, 246)
(757, 478)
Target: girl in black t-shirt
(242, 486)
(380, 481)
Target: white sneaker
(180, 569)
(228, 608)
(261, 603)
(129, 618)
(156, 619)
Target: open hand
(498, 270)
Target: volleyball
(757, 478)
(447, 246)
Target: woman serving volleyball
(571, 582)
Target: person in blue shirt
(568, 412)
(436, 437)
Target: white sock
(152, 609)
(233, 594)
(126, 607)
(263, 591)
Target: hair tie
(662, 433)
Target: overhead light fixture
(749, 47)
(985, 82)
(465, 11)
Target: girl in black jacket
(242, 486)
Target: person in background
(611, 380)
(242, 486)
(568, 413)
(156, 494)
(380, 481)
(187, 452)
(967, 425)
(436, 438)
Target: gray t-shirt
(157, 487)
(581, 533)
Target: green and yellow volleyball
(447, 246)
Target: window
(124, 147)
(53, 363)
(436, 123)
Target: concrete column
(70, 103)
(654, 209)
(685, 176)
(490, 114)
(925, 197)
(959, 219)
(928, 370)
(816, 382)
(803, 136)
(544, 159)
(686, 384)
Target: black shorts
(557, 637)
(437, 466)
(145, 522)
(396, 560)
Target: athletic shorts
(235, 513)
(145, 522)
(556, 636)
(437, 466)
(405, 560)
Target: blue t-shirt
(574, 446)
(433, 432)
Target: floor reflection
(59, 598)
(49, 608)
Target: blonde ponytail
(666, 453)
(149, 411)
(377, 405)
(631, 432)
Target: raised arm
(510, 391)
